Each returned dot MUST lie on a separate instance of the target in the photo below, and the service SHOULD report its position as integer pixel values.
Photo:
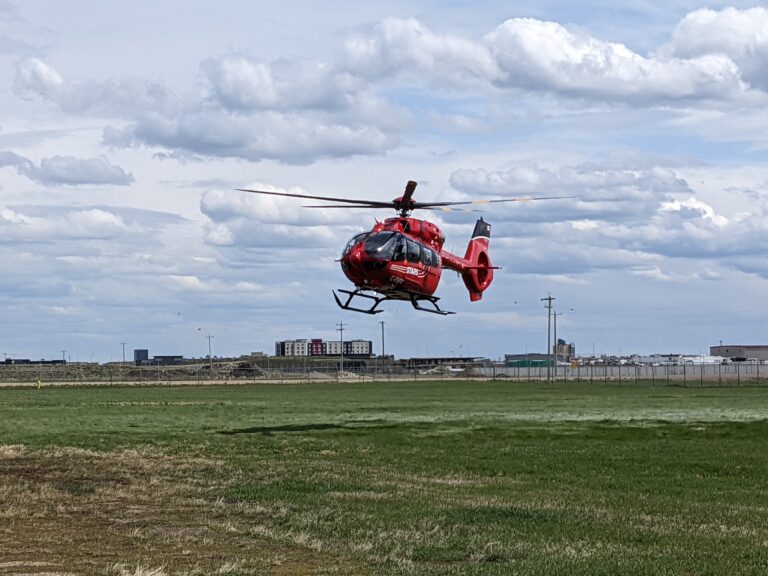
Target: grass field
(385, 478)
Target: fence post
(719, 375)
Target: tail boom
(475, 268)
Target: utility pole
(548, 306)
(382, 338)
(64, 356)
(123, 343)
(210, 354)
(340, 330)
(556, 314)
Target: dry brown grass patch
(137, 513)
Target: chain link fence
(288, 370)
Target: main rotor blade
(410, 188)
(347, 206)
(417, 205)
(448, 209)
(367, 203)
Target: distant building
(563, 350)
(531, 360)
(740, 352)
(12, 361)
(318, 347)
(167, 360)
(140, 356)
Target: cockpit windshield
(381, 245)
(354, 241)
(395, 246)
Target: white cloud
(408, 47)
(112, 98)
(289, 138)
(68, 225)
(535, 55)
(241, 83)
(741, 35)
(547, 56)
(68, 171)
(36, 78)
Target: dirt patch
(71, 511)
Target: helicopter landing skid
(413, 298)
(432, 300)
(350, 296)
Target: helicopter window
(381, 245)
(428, 256)
(354, 242)
(414, 251)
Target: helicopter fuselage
(398, 257)
(401, 258)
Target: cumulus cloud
(535, 55)
(72, 224)
(291, 112)
(288, 138)
(258, 221)
(120, 98)
(302, 111)
(242, 83)
(619, 218)
(599, 192)
(740, 35)
(407, 46)
(67, 170)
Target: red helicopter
(402, 258)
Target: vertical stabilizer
(479, 274)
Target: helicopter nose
(356, 259)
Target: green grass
(396, 478)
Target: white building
(318, 347)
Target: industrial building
(319, 347)
(740, 352)
(141, 358)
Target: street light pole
(556, 314)
(340, 330)
(382, 339)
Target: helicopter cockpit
(395, 246)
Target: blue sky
(127, 128)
